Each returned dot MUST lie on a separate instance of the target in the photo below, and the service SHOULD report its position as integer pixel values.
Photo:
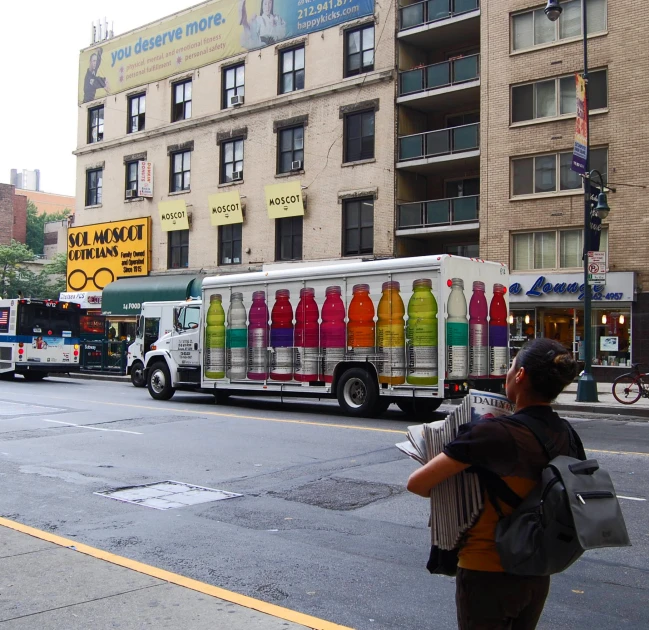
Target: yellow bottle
(390, 336)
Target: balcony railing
(442, 142)
(439, 212)
(433, 11)
(439, 75)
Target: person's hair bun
(566, 367)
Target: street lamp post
(587, 386)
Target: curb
(618, 413)
(100, 377)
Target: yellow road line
(233, 415)
(593, 450)
(173, 578)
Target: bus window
(39, 319)
(4, 320)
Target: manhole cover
(167, 495)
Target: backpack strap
(539, 430)
(496, 488)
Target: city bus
(38, 337)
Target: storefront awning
(125, 296)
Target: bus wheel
(419, 408)
(34, 376)
(358, 393)
(159, 383)
(137, 374)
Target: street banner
(208, 32)
(580, 151)
(173, 215)
(144, 179)
(284, 200)
(225, 208)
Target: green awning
(125, 296)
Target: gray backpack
(572, 509)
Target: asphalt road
(323, 526)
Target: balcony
(434, 151)
(450, 21)
(436, 215)
(451, 83)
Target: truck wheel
(419, 409)
(34, 376)
(159, 382)
(137, 374)
(358, 393)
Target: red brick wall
(13, 215)
(20, 218)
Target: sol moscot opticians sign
(568, 287)
(103, 252)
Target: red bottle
(333, 333)
(281, 337)
(307, 337)
(498, 334)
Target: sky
(39, 53)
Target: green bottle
(421, 333)
(215, 339)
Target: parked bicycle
(630, 387)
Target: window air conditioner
(237, 176)
(130, 193)
(236, 100)
(296, 165)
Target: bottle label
(332, 356)
(257, 359)
(215, 360)
(257, 337)
(498, 362)
(422, 361)
(282, 361)
(392, 361)
(478, 350)
(306, 362)
(236, 337)
(237, 362)
(361, 337)
(457, 351)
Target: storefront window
(612, 337)
(522, 328)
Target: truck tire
(34, 376)
(137, 374)
(419, 409)
(358, 393)
(159, 381)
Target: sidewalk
(607, 403)
(50, 583)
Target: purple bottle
(478, 333)
(258, 337)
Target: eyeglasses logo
(78, 279)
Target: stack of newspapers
(455, 504)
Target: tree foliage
(36, 226)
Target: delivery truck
(411, 331)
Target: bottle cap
(457, 282)
(237, 296)
(499, 288)
(216, 297)
(361, 287)
(478, 286)
(282, 293)
(307, 292)
(333, 290)
(427, 283)
(259, 295)
(392, 284)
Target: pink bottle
(307, 337)
(478, 333)
(281, 337)
(333, 332)
(258, 337)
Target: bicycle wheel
(627, 389)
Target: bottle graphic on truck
(215, 339)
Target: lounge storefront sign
(103, 252)
(284, 200)
(173, 215)
(225, 208)
(569, 287)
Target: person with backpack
(487, 597)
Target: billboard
(284, 200)
(173, 215)
(207, 33)
(225, 208)
(103, 252)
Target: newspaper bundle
(455, 504)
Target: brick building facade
(13, 215)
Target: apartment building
(486, 124)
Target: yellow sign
(202, 35)
(225, 208)
(173, 215)
(103, 252)
(284, 200)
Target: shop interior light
(527, 318)
(511, 318)
(621, 320)
(604, 320)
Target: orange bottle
(360, 328)
(391, 336)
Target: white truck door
(185, 343)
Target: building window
(553, 249)
(291, 150)
(532, 28)
(468, 250)
(552, 173)
(359, 136)
(556, 97)
(136, 111)
(231, 161)
(233, 84)
(288, 238)
(95, 124)
(359, 50)
(230, 244)
(291, 70)
(131, 179)
(180, 171)
(182, 101)
(178, 249)
(358, 226)
(94, 182)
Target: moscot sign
(103, 252)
